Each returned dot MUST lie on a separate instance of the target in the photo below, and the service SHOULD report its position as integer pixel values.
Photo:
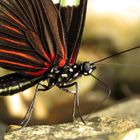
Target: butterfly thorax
(70, 72)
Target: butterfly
(40, 40)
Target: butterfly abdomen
(15, 82)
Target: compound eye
(86, 67)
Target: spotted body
(59, 77)
(69, 73)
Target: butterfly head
(87, 68)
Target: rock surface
(122, 122)
(104, 128)
(129, 110)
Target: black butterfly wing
(31, 39)
(73, 17)
(52, 30)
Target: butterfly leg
(28, 114)
(76, 99)
(44, 87)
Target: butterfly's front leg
(76, 102)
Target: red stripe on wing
(13, 41)
(37, 44)
(11, 28)
(38, 73)
(62, 61)
(18, 64)
(15, 19)
(37, 39)
(18, 54)
(52, 56)
(74, 57)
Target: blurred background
(111, 26)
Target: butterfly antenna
(116, 54)
(108, 95)
(28, 114)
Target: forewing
(31, 38)
(73, 17)
(53, 21)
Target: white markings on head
(90, 71)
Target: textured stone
(100, 128)
(119, 122)
(124, 110)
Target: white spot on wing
(65, 3)
(55, 1)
